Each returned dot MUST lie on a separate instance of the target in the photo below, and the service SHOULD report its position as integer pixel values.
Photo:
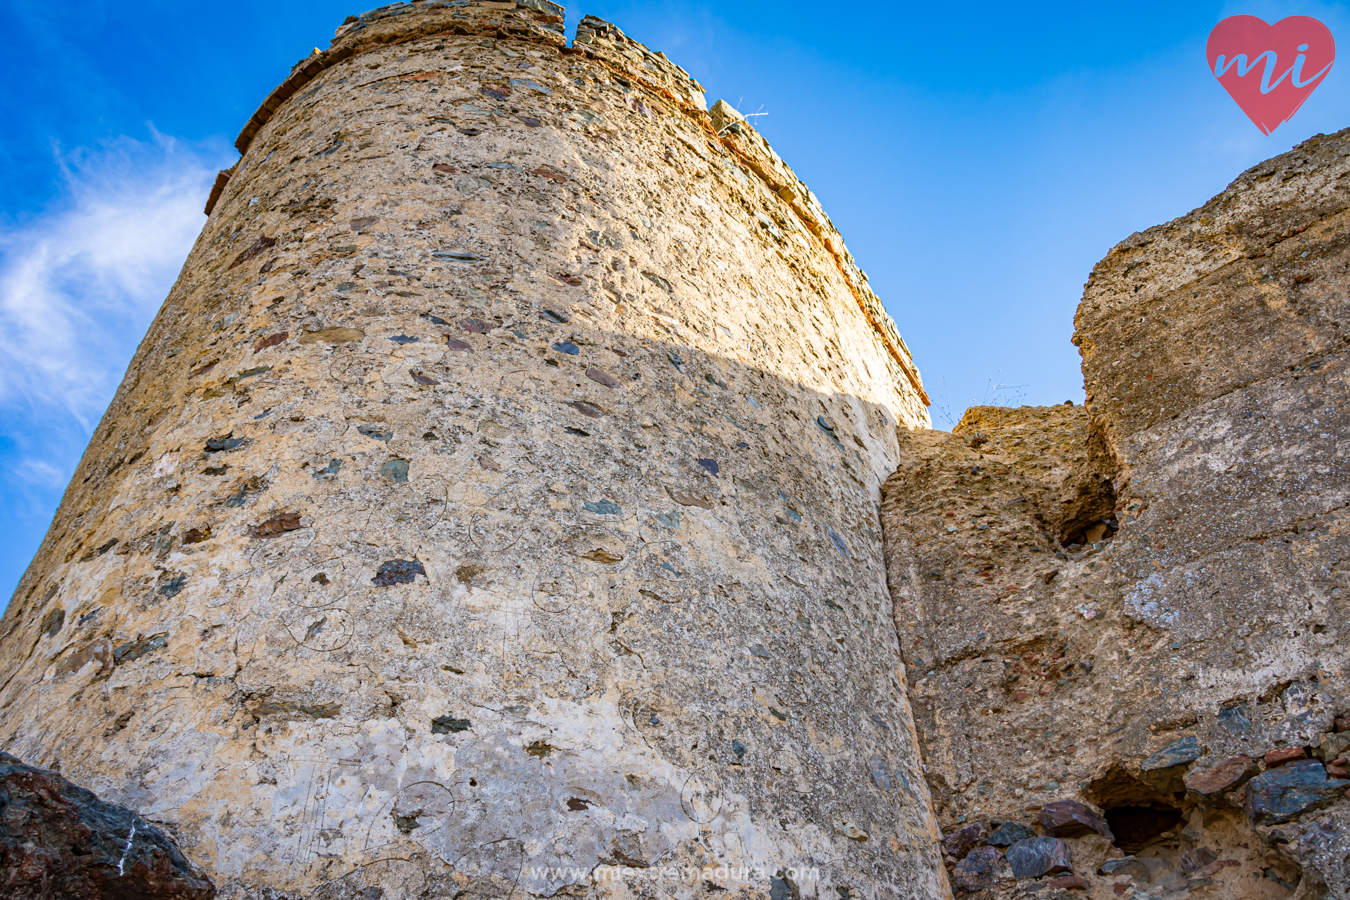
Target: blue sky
(978, 158)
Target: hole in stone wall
(1119, 788)
(1137, 827)
(1168, 842)
(1087, 514)
(1139, 814)
(1091, 534)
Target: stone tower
(493, 505)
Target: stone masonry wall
(1125, 626)
(493, 505)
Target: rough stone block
(1225, 775)
(1009, 833)
(1276, 758)
(59, 841)
(959, 842)
(1069, 818)
(1280, 794)
(1038, 856)
(980, 869)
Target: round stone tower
(492, 507)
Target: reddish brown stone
(980, 869)
(422, 378)
(550, 173)
(59, 841)
(100, 651)
(262, 244)
(1338, 772)
(1342, 725)
(1222, 776)
(270, 340)
(197, 535)
(1069, 883)
(1284, 755)
(1069, 818)
(600, 376)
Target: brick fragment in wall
(434, 543)
(1139, 605)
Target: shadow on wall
(750, 532)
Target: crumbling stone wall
(492, 506)
(1124, 627)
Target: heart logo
(1270, 69)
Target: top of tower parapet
(530, 21)
(541, 22)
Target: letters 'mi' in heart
(1270, 69)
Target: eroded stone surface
(492, 504)
(1110, 604)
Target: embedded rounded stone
(1125, 865)
(1332, 746)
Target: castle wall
(492, 506)
(1139, 607)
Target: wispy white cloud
(80, 282)
(39, 473)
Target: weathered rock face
(1140, 606)
(493, 503)
(60, 842)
